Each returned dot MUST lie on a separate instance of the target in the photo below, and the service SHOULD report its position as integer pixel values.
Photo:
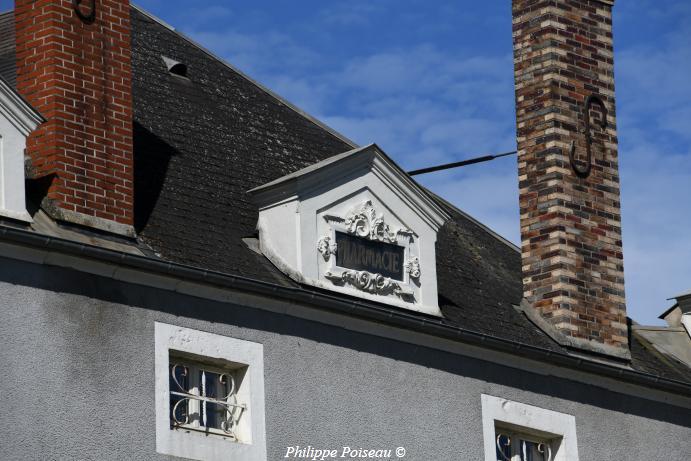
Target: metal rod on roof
(461, 163)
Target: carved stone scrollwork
(326, 248)
(364, 222)
(371, 283)
(413, 268)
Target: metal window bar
(503, 447)
(231, 410)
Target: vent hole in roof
(175, 67)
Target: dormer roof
(23, 117)
(353, 162)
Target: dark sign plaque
(366, 255)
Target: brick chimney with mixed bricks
(573, 272)
(74, 67)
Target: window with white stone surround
(209, 395)
(514, 431)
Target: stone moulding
(412, 267)
(371, 283)
(326, 248)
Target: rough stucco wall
(79, 384)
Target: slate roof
(202, 142)
(7, 49)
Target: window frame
(209, 351)
(533, 423)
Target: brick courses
(573, 271)
(78, 75)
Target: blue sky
(432, 82)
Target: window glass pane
(213, 415)
(533, 451)
(179, 406)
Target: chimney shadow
(152, 157)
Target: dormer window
(17, 121)
(355, 224)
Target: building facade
(192, 268)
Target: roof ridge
(274, 95)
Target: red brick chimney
(73, 66)
(573, 270)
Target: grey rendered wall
(78, 357)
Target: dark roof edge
(281, 100)
(667, 311)
(363, 309)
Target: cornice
(24, 117)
